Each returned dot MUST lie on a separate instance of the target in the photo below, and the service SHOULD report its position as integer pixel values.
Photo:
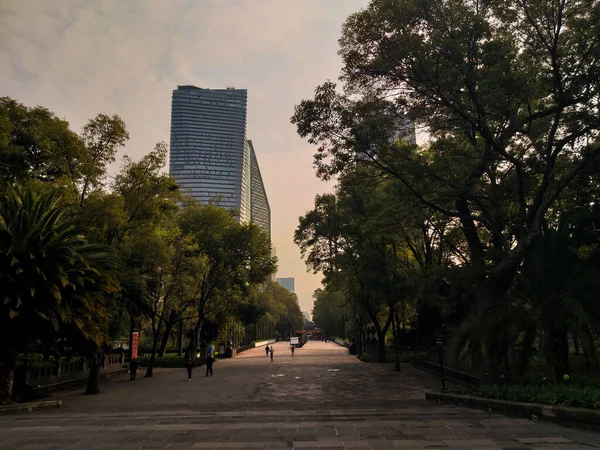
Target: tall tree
(236, 255)
(51, 279)
(509, 93)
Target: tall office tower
(274, 255)
(287, 283)
(211, 158)
(407, 131)
(260, 211)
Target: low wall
(65, 374)
(451, 374)
(341, 341)
(585, 418)
(74, 382)
(262, 343)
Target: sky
(83, 57)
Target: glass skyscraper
(211, 158)
(287, 283)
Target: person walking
(209, 364)
(293, 348)
(267, 350)
(133, 367)
(271, 352)
(189, 365)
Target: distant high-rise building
(287, 283)
(211, 158)
(260, 211)
(407, 131)
(274, 255)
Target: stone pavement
(322, 398)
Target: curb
(64, 385)
(30, 406)
(535, 411)
(453, 375)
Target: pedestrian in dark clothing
(293, 348)
(189, 366)
(267, 350)
(133, 367)
(209, 364)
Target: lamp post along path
(440, 346)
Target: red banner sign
(134, 344)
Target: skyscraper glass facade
(211, 158)
(287, 283)
(260, 211)
(208, 144)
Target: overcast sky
(83, 57)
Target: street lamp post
(440, 346)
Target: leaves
(52, 279)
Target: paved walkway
(322, 398)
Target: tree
(348, 236)
(35, 145)
(236, 255)
(52, 281)
(509, 93)
(326, 312)
(142, 201)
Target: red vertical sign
(134, 345)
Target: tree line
(487, 234)
(87, 258)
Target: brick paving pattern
(321, 398)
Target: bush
(577, 396)
(171, 360)
(406, 356)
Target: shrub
(577, 396)
(170, 360)
(406, 356)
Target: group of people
(270, 350)
(190, 364)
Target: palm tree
(51, 280)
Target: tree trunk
(380, 347)
(180, 339)
(153, 355)
(168, 329)
(589, 349)
(195, 339)
(131, 330)
(576, 346)
(7, 381)
(395, 331)
(93, 385)
(559, 350)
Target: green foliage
(236, 255)
(170, 360)
(52, 281)
(329, 313)
(508, 93)
(575, 396)
(405, 356)
(64, 230)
